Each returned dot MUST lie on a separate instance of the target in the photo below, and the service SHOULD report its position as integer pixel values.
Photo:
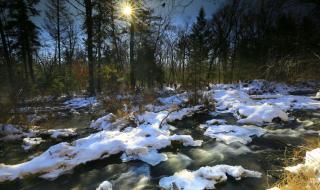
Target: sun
(126, 9)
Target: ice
(205, 177)
(232, 133)
(29, 142)
(137, 143)
(312, 162)
(81, 102)
(106, 185)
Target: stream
(264, 154)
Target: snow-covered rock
(162, 117)
(81, 102)
(205, 177)
(232, 133)
(58, 133)
(106, 185)
(175, 99)
(103, 123)
(29, 142)
(260, 113)
(241, 105)
(312, 162)
(290, 102)
(137, 143)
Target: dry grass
(306, 179)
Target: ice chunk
(205, 177)
(232, 133)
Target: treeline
(93, 46)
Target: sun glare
(126, 9)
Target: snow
(312, 162)
(103, 123)
(232, 133)
(139, 143)
(241, 105)
(205, 177)
(155, 118)
(290, 102)
(106, 185)
(261, 113)
(29, 143)
(175, 99)
(81, 102)
(58, 133)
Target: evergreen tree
(24, 32)
(199, 49)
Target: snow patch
(205, 177)
(106, 185)
(81, 102)
(241, 105)
(232, 133)
(29, 143)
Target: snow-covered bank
(205, 177)
(312, 162)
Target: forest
(160, 94)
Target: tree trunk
(6, 53)
(132, 65)
(89, 28)
(58, 33)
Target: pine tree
(24, 32)
(198, 52)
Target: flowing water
(264, 154)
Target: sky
(178, 15)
